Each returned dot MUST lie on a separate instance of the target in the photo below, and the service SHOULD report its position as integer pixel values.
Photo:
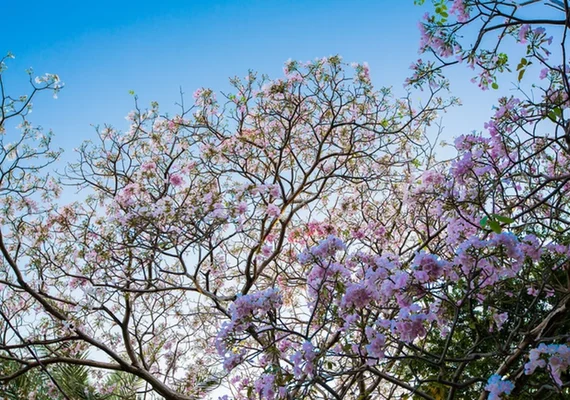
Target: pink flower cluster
(376, 343)
(438, 40)
(303, 360)
(244, 311)
(273, 210)
(326, 248)
(265, 386)
(428, 268)
(494, 259)
(255, 304)
(557, 355)
(460, 10)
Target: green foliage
(126, 386)
(494, 221)
(440, 8)
(72, 380)
(23, 386)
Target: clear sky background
(102, 49)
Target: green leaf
(495, 226)
(521, 74)
(552, 116)
(484, 222)
(505, 220)
(494, 85)
(502, 60)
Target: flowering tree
(186, 219)
(466, 293)
(299, 239)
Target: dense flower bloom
(555, 357)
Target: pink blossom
(266, 250)
(297, 360)
(357, 295)
(275, 191)
(523, 31)
(460, 10)
(376, 343)
(554, 356)
(273, 210)
(241, 207)
(232, 360)
(410, 328)
(500, 319)
(429, 265)
(176, 180)
(264, 386)
(148, 166)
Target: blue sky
(103, 49)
